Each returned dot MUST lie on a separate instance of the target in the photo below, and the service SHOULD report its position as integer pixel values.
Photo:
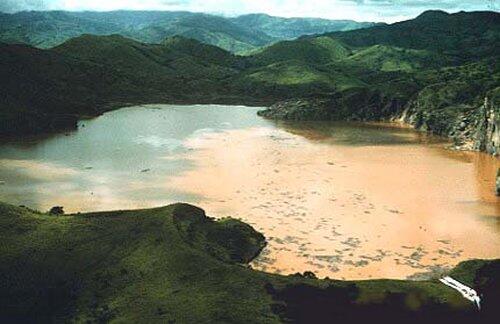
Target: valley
(337, 76)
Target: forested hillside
(441, 78)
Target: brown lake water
(343, 200)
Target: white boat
(466, 291)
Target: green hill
(173, 264)
(318, 50)
(42, 90)
(462, 36)
(178, 69)
(388, 58)
(434, 72)
(91, 74)
(304, 67)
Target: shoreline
(477, 130)
(266, 104)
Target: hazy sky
(367, 10)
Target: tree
(56, 210)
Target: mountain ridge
(457, 34)
(46, 29)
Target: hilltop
(462, 36)
(91, 74)
(176, 264)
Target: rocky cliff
(474, 126)
(353, 105)
(487, 137)
(471, 125)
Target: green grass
(463, 36)
(289, 73)
(387, 58)
(317, 51)
(126, 266)
(174, 264)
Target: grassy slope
(460, 36)
(126, 266)
(172, 263)
(318, 51)
(305, 67)
(403, 50)
(389, 58)
(152, 62)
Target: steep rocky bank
(498, 183)
(488, 126)
(471, 126)
(356, 104)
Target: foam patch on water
(159, 142)
(201, 137)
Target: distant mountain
(208, 29)
(239, 35)
(290, 28)
(317, 50)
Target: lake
(344, 200)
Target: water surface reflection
(343, 200)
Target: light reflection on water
(343, 200)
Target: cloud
(18, 5)
(372, 10)
(393, 10)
